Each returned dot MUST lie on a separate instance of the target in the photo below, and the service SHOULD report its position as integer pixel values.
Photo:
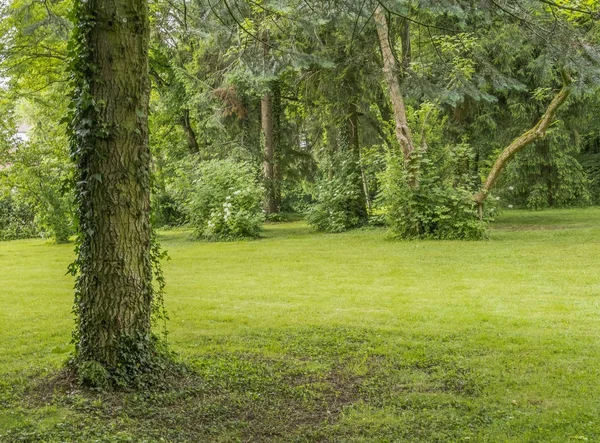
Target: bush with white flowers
(225, 201)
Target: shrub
(165, 210)
(39, 181)
(435, 209)
(340, 201)
(223, 200)
(54, 214)
(17, 219)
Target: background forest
(348, 112)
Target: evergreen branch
(594, 14)
(536, 133)
(417, 22)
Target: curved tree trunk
(114, 287)
(535, 133)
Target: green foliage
(590, 162)
(340, 203)
(17, 219)
(547, 174)
(93, 374)
(434, 209)
(33, 46)
(38, 176)
(144, 362)
(165, 210)
(221, 199)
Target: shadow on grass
(329, 384)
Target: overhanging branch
(536, 133)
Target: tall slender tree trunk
(266, 108)
(332, 135)
(277, 143)
(390, 70)
(406, 46)
(110, 146)
(267, 123)
(354, 147)
(190, 134)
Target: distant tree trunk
(110, 146)
(189, 132)
(267, 123)
(406, 46)
(382, 105)
(354, 147)
(277, 143)
(332, 134)
(533, 134)
(390, 70)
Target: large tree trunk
(390, 70)
(266, 112)
(110, 145)
(535, 133)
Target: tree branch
(533, 134)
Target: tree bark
(277, 143)
(390, 70)
(533, 134)
(354, 146)
(406, 46)
(189, 132)
(114, 286)
(266, 111)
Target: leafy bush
(39, 177)
(54, 215)
(17, 219)
(296, 197)
(165, 210)
(435, 209)
(222, 199)
(590, 161)
(340, 202)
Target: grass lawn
(348, 338)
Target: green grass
(350, 337)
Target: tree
(268, 135)
(475, 75)
(109, 138)
(390, 70)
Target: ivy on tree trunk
(109, 138)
